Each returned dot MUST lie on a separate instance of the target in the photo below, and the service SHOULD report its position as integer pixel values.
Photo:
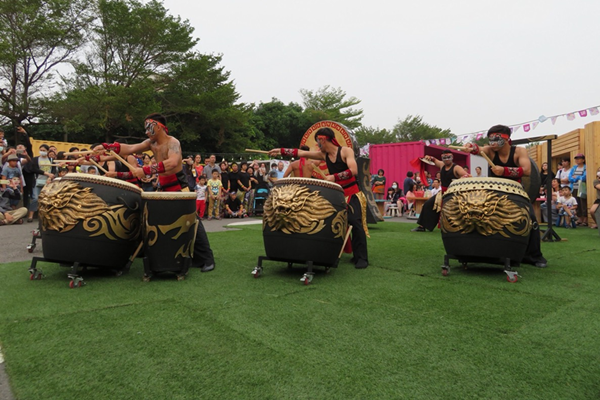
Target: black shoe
(361, 264)
(418, 229)
(541, 264)
(207, 268)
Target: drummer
(512, 162)
(169, 168)
(449, 171)
(343, 170)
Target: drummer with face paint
(449, 171)
(169, 168)
(512, 162)
(343, 171)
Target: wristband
(124, 175)
(92, 157)
(154, 168)
(475, 149)
(116, 147)
(342, 176)
(513, 172)
(289, 152)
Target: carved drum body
(169, 229)
(485, 218)
(91, 220)
(305, 220)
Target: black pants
(203, 254)
(533, 254)
(428, 218)
(359, 237)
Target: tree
(367, 134)
(412, 128)
(282, 125)
(330, 103)
(200, 101)
(135, 47)
(35, 37)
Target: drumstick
(345, 240)
(482, 153)
(257, 151)
(487, 159)
(98, 166)
(77, 153)
(118, 157)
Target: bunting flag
(527, 126)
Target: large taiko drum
(485, 219)
(169, 228)
(305, 220)
(91, 220)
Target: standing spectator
(577, 180)
(40, 166)
(428, 180)
(12, 170)
(244, 185)
(272, 177)
(253, 186)
(478, 172)
(148, 183)
(226, 184)
(408, 182)
(379, 185)
(563, 173)
(553, 202)
(436, 187)
(280, 170)
(597, 202)
(261, 174)
(215, 187)
(545, 172)
(198, 166)
(208, 168)
(201, 196)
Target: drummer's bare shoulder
(522, 160)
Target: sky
(461, 65)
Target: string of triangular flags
(527, 127)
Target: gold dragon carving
(295, 209)
(63, 204)
(486, 212)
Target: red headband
(159, 124)
(333, 140)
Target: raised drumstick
(98, 166)
(257, 151)
(481, 153)
(118, 157)
(79, 153)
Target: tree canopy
(412, 128)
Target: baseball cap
(580, 155)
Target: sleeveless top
(446, 177)
(350, 186)
(509, 163)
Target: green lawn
(398, 329)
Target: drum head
(343, 135)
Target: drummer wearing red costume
(342, 170)
(169, 168)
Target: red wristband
(513, 172)
(154, 168)
(116, 147)
(94, 157)
(124, 175)
(342, 176)
(289, 152)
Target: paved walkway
(15, 239)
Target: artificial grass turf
(398, 329)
